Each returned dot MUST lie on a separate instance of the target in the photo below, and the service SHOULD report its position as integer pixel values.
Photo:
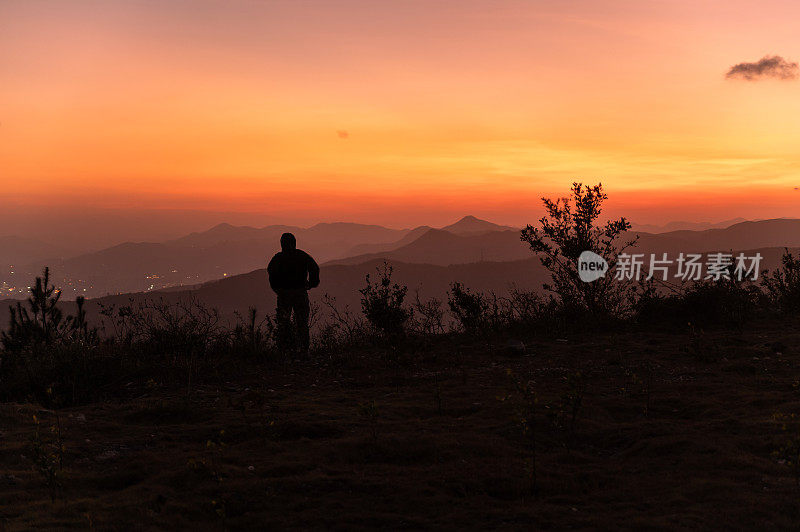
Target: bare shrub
(428, 316)
(524, 307)
(183, 327)
(251, 335)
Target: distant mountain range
(17, 251)
(685, 226)
(202, 256)
(327, 240)
(779, 232)
(440, 247)
(226, 250)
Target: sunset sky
(399, 112)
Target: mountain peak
(472, 224)
(223, 225)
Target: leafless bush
(339, 330)
(523, 306)
(349, 327)
(428, 316)
(185, 326)
(251, 335)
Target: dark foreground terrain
(673, 431)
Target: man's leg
(302, 310)
(283, 321)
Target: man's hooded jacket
(292, 268)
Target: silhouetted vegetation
(568, 229)
(706, 303)
(782, 286)
(469, 308)
(382, 304)
(43, 323)
(575, 390)
(58, 360)
(428, 317)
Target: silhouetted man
(292, 272)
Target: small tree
(382, 303)
(567, 230)
(44, 323)
(783, 285)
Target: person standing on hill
(292, 272)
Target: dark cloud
(774, 66)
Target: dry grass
(673, 432)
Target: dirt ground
(629, 431)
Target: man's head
(288, 242)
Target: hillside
(441, 247)
(368, 249)
(239, 292)
(19, 251)
(666, 435)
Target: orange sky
(398, 112)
